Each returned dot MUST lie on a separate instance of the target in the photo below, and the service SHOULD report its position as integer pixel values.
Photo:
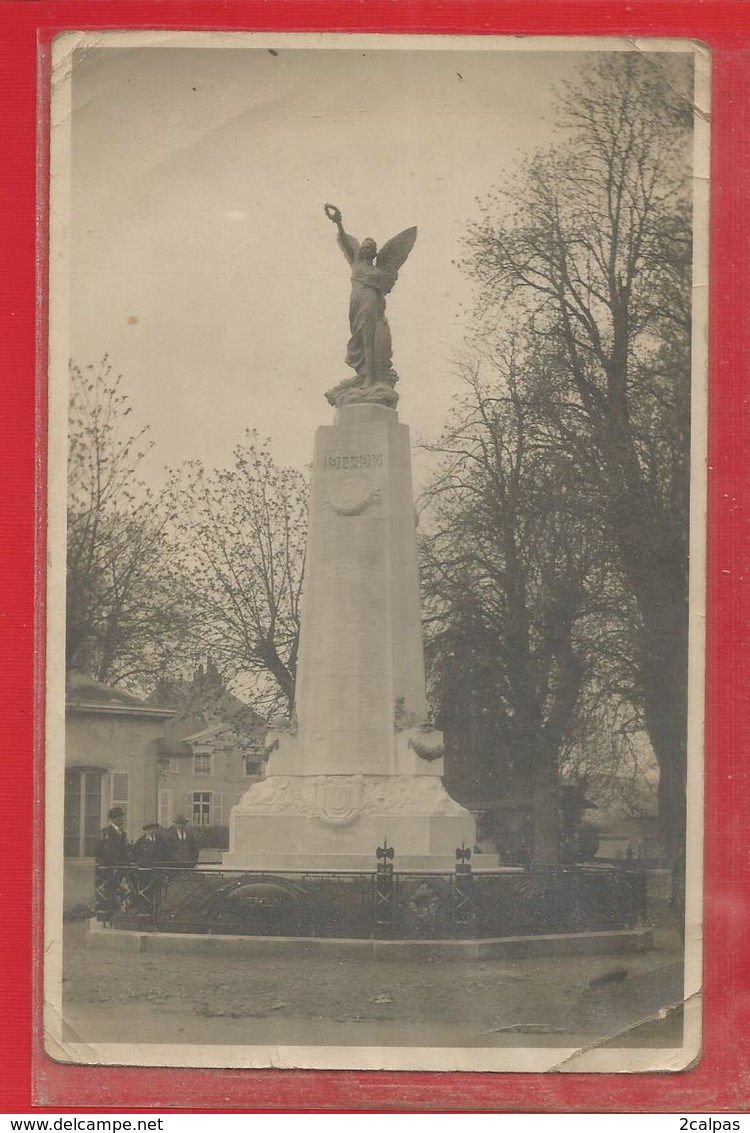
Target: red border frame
(720, 1081)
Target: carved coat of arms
(339, 801)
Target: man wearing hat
(182, 846)
(111, 855)
(112, 848)
(148, 850)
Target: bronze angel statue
(374, 274)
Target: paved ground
(113, 996)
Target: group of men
(157, 846)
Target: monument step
(612, 942)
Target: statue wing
(394, 252)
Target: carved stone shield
(339, 801)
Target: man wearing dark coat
(149, 850)
(147, 853)
(112, 847)
(182, 846)
(112, 858)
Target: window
(83, 810)
(169, 765)
(201, 808)
(253, 765)
(202, 763)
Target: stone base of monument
(336, 822)
(614, 942)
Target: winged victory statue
(369, 351)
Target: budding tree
(123, 610)
(240, 534)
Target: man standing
(112, 848)
(148, 850)
(182, 846)
(112, 858)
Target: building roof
(84, 694)
(182, 735)
(206, 733)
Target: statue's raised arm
(349, 244)
(374, 274)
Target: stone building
(122, 751)
(111, 742)
(204, 770)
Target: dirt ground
(185, 994)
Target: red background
(721, 1081)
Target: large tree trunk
(654, 558)
(665, 710)
(663, 668)
(546, 818)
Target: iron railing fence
(382, 903)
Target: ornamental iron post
(145, 895)
(112, 889)
(384, 902)
(103, 896)
(463, 903)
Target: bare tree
(123, 611)
(240, 539)
(590, 248)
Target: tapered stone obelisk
(360, 763)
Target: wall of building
(181, 777)
(124, 748)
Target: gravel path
(596, 995)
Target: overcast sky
(201, 259)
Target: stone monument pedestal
(360, 763)
(337, 822)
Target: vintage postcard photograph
(376, 508)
